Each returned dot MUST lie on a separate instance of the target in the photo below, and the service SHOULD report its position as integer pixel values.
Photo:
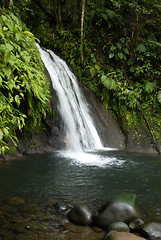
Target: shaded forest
(113, 46)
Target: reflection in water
(86, 176)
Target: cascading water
(80, 132)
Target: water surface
(85, 176)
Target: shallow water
(88, 177)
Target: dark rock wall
(107, 127)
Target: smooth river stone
(81, 215)
(123, 236)
(121, 208)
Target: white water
(80, 132)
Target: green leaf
(7, 71)
(25, 56)
(9, 47)
(17, 100)
(104, 78)
(108, 82)
(111, 13)
(1, 134)
(126, 51)
(18, 36)
(4, 18)
(121, 55)
(5, 29)
(111, 55)
(9, 25)
(7, 56)
(141, 47)
(97, 67)
(11, 84)
(119, 45)
(150, 87)
(92, 71)
(112, 48)
(105, 17)
(6, 132)
(2, 47)
(159, 96)
(1, 80)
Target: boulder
(121, 208)
(153, 230)
(136, 225)
(119, 227)
(81, 215)
(123, 236)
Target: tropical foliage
(114, 46)
(24, 92)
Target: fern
(22, 80)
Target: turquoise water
(87, 177)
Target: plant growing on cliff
(24, 89)
(121, 50)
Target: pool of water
(91, 176)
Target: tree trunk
(82, 30)
(59, 16)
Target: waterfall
(80, 132)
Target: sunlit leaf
(1, 80)
(92, 71)
(18, 36)
(7, 70)
(111, 55)
(9, 47)
(6, 132)
(159, 96)
(1, 134)
(7, 56)
(17, 100)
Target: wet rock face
(81, 215)
(107, 127)
(121, 208)
(123, 236)
(153, 230)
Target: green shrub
(24, 89)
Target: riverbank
(24, 219)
